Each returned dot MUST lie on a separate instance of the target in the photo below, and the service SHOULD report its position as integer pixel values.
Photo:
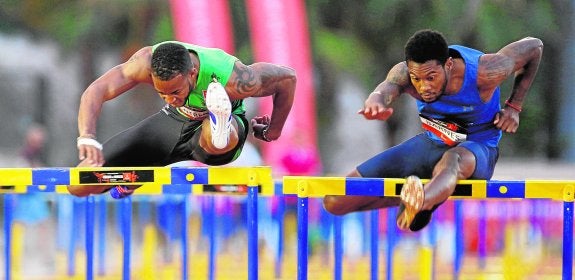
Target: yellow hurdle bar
(153, 180)
(309, 186)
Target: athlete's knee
(78, 191)
(334, 205)
(458, 160)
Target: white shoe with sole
(220, 109)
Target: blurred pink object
(301, 161)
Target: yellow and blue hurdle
(185, 180)
(308, 186)
(156, 180)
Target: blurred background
(50, 51)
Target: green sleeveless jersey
(213, 63)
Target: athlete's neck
(455, 76)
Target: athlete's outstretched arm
(110, 85)
(377, 106)
(260, 80)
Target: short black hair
(426, 45)
(169, 60)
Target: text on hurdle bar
(153, 180)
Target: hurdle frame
(258, 180)
(309, 186)
(154, 181)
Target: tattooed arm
(521, 59)
(377, 106)
(260, 80)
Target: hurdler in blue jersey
(204, 116)
(456, 89)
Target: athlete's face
(429, 79)
(174, 91)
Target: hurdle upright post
(8, 210)
(302, 229)
(374, 244)
(253, 185)
(392, 237)
(338, 247)
(71, 270)
(252, 178)
(568, 198)
(126, 235)
(184, 241)
(279, 218)
(459, 246)
(101, 235)
(482, 234)
(90, 237)
(211, 225)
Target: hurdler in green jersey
(217, 63)
(204, 116)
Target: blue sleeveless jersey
(465, 108)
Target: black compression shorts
(165, 138)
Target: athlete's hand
(375, 111)
(507, 120)
(90, 152)
(260, 126)
(376, 107)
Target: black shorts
(165, 138)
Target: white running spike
(220, 109)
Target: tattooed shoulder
(398, 75)
(244, 80)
